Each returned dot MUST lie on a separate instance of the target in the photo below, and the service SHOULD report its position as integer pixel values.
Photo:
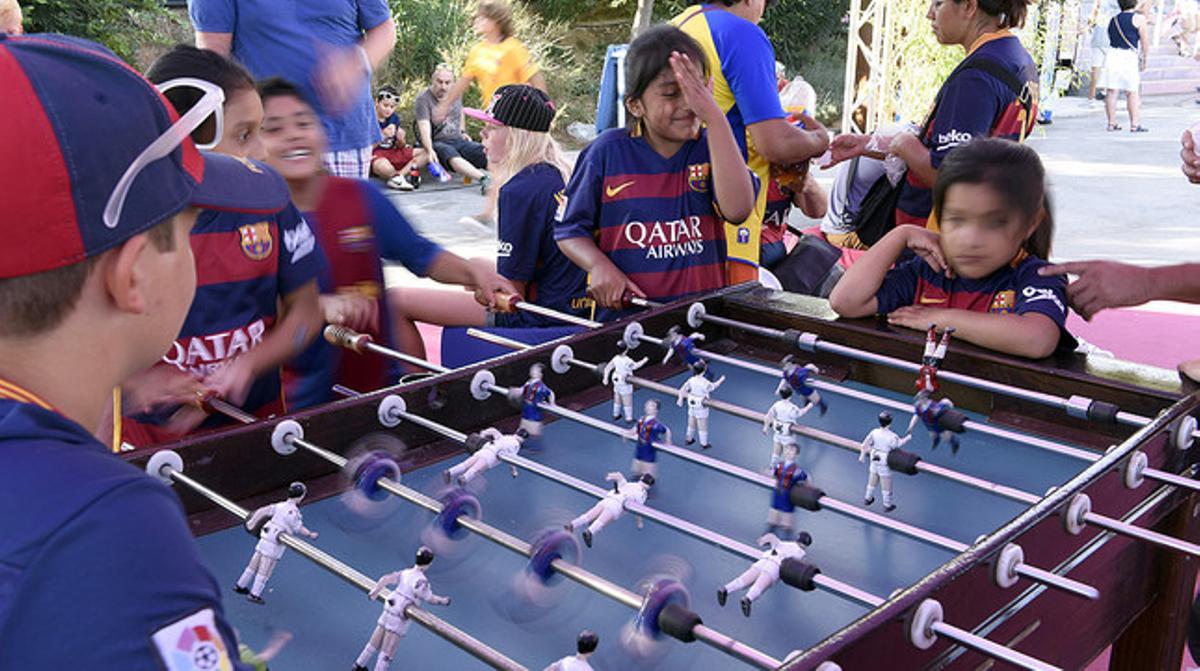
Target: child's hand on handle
(487, 283)
(351, 310)
(697, 92)
(609, 286)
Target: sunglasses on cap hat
(210, 105)
(388, 95)
(94, 175)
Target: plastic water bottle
(414, 177)
(439, 173)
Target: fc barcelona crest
(698, 177)
(257, 243)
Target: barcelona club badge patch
(193, 644)
(256, 240)
(698, 177)
(356, 239)
(1004, 301)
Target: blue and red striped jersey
(357, 227)
(649, 430)
(656, 218)
(244, 264)
(1014, 289)
(974, 104)
(533, 393)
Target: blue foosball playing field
(331, 621)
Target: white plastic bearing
(1183, 433)
(161, 459)
(391, 409)
(1004, 571)
(1135, 469)
(696, 315)
(920, 628)
(283, 435)
(480, 385)
(633, 335)
(560, 360)
(1073, 515)
(828, 666)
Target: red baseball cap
(91, 154)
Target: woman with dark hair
(992, 93)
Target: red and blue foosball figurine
(787, 473)
(935, 352)
(684, 347)
(533, 393)
(796, 377)
(940, 418)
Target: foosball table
(1064, 524)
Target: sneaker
(889, 507)
(868, 500)
(238, 589)
(691, 441)
(616, 417)
(706, 446)
(722, 595)
(359, 667)
(587, 537)
(570, 529)
(746, 606)
(462, 482)
(254, 598)
(400, 183)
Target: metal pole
(991, 648)
(1127, 418)
(581, 576)
(1031, 572)
(555, 314)
(460, 639)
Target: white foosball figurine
(878, 444)
(620, 368)
(780, 418)
(646, 432)
(486, 457)
(412, 587)
(282, 517)
(533, 392)
(765, 572)
(612, 506)
(697, 390)
(585, 645)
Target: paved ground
(1118, 195)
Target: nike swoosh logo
(925, 300)
(612, 191)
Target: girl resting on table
(531, 172)
(644, 209)
(979, 275)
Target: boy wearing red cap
(96, 277)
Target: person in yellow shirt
(498, 60)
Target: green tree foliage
(125, 26)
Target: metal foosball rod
(289, 436)
(1075, 406)
(813, 499)
(361, 343)
(929, 626)
(665, 519)
(923, 629)
(167, 466)
(1031, 441)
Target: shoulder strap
(993, 68)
